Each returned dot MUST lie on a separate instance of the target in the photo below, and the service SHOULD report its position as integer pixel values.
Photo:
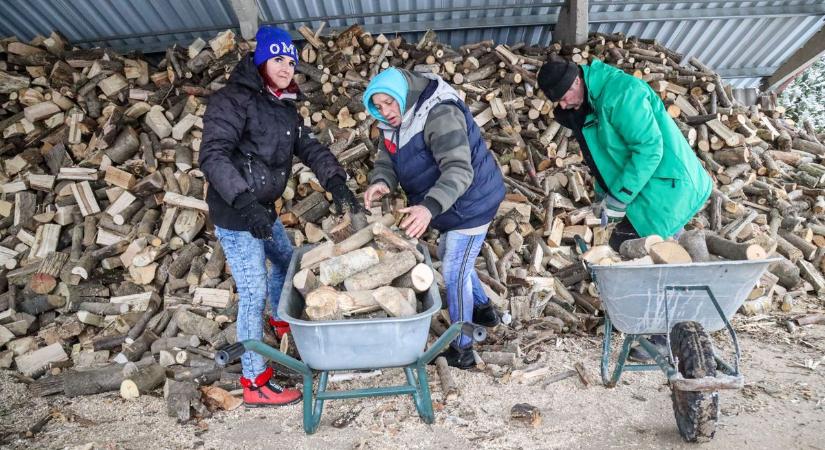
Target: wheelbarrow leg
(421, 397)
(312, 408)
(608, 336)
(607, 380)
(625, 350)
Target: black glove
(345, 200)
(260, 220)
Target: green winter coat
(641, 154)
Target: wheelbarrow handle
(469, 329)
(229, 353)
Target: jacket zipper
(251, 175)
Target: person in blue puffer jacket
(431, 146)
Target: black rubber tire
(696, 412)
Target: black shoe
(462, 359)
(639, 354)
(486, 315)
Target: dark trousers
(624, 231)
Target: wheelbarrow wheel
(696, 412)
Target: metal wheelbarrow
(327, 346)
(683, 302)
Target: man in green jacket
(647, 176)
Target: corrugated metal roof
(744, 41)
(147, 25)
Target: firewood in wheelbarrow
(392, 266)
(669, 252)
(322, 304)
(382, 234)
(419, 278)
(732, 250)
(398, 302)
(600, 254)
(335, 270)
(526, 414)
(694, 242)
(305, 282)
(638, 248)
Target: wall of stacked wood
(106, 250)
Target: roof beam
(733, 12)
(745, 72)
(799, 61)
(572, 23)
(247, 13)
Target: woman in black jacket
(251, 132)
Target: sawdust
(781, 406)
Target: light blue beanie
(391, 82)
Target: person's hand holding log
(375, 192)
(415, 224)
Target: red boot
(281, 328)
(265, 392)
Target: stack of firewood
(107, 260)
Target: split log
(193, 324)
(419, 278)
(45, 278)
(96, 381)
(392, 240)
(305, 282)
(144, 380)
(134, 351)
(638, 248)
(397, 302)
(669, 252)
(449, 389)
(732, 250)
(694, 242)
(787, 272)
(391, 267)
(181, 397)
(335, 270)
(500, 358)
(33, 364)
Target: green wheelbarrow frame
(667, 363)
(313, 402)
(730, 378)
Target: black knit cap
(556, 76)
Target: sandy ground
(781, 406)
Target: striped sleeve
(445, 134)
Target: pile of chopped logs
(108, 265)
(379, 269)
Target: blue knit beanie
(391, 82)
(272, 42)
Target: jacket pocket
(266, 184)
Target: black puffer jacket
(249, 139)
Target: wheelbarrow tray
(356, 343)
(634, 296)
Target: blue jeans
(247, 258)
(458, 254)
